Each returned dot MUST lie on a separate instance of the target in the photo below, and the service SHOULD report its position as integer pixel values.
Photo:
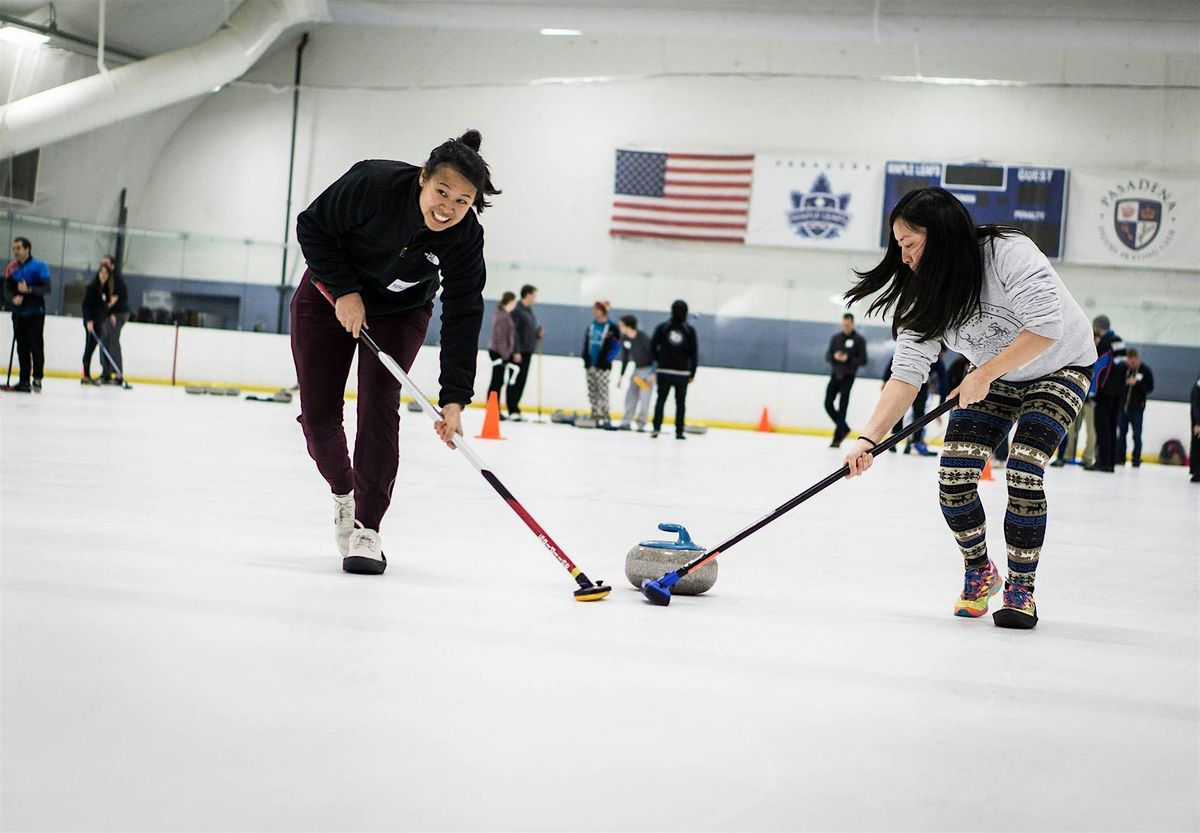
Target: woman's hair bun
(472, 139)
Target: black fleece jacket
(365, 234)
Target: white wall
(264, 360)
(396, 92)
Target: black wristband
(869, 440)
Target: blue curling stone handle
(684, 541)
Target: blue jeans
(1126, 420)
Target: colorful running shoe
(1019, 611)
(980, 584)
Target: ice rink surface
(181, 651)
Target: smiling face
(912, 243)
(446, 197)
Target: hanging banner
(1142, 219)
(815, 204)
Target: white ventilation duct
(109, 97)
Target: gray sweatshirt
(1021, 291)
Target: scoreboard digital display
(1027, 197)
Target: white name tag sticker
(849, 344)
(399, 285)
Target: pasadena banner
(815, 204)
(1143, 219)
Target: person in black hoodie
(676, 356)
(1139, 384)
(380, 242)
(113, 318)
(1109, 385)
(95, 309)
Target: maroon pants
(323, 351)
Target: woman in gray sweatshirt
(989, 293)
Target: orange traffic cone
(491, 421)
(987, 470)
(764, 424)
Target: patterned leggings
(1043, 409)
(597, 383)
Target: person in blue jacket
(601, 344)
(26, 282)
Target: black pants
(667, 381)
(30, 346)
(1107, 409)
(1194, 456)
(838, 387)
(500, 366)
(112, 363)
(518, 386)
(89, 347)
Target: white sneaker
(366, 552)
(343, 521)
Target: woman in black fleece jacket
(381, 241)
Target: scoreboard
(1030, 198)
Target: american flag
(684, 196)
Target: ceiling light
(563, 33)
(24, 37)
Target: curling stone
(585, 422)
(563, 418)
(651, 559)
(414, 407)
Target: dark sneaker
(36, 385)
(1018, 611)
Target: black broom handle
(890, 442)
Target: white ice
(181, 650)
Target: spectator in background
(1139, 383)
(676, 355)
(601, 344)
(501, 344)
(937, 379)
(635, 349)
(528, 335)
(95, 309)
(1109, 387)
(116, 301)
(1194, 455)
(846, 354)
(1085, 421)
(26, 282)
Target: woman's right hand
(351, 313)
(91, 327)
(860, 458)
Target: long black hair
(943, 294)
(462, 154)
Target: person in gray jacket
(528, 335)
(636, 350)
(989, 294)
